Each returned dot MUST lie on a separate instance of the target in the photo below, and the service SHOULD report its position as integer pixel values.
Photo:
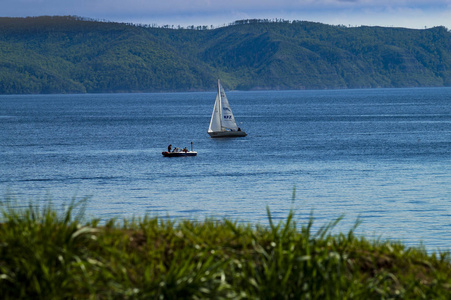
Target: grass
(49, 255)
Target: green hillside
(75, 55)
(53, 254)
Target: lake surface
(383, 155)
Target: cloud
(215, 11)
(196, 6)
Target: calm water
(382, 155)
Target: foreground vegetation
(49, 255)
(76, 55)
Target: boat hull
(223, 134)
(179, 154)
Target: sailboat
(222, 123)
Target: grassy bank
(50, 255)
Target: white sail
(227, 120)
(215, 122)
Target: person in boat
(185, 150)
(169, 148)
(239, 129)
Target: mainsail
(227, 120)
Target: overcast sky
(398, 13)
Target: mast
(220, 104)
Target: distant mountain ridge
(75, 55)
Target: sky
(388, 13)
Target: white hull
(219, 134)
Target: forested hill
(75, 55)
